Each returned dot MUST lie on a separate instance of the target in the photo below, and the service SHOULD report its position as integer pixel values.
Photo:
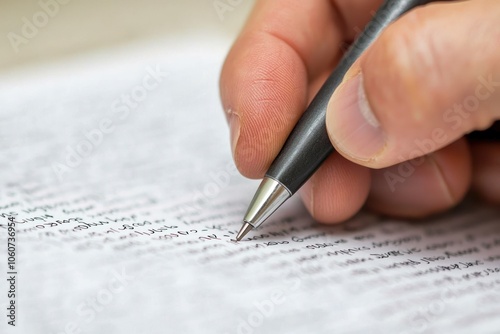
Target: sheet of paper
(116, 170)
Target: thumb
(430, 78)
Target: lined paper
(117, 171)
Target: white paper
(136, 236)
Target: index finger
(270, 73)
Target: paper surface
(117, 170)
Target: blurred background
(34, 32)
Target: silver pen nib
(268, 198)
(244, 230)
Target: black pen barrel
(308, 145)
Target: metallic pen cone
(244, 230)
(268, 198)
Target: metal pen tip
(244, 230)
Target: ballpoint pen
(308, 144)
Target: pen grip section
(308, 145)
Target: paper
(117, 171)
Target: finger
(421, 85)
(265, 79)
(337, 190)
(486, 175)
(423, 186)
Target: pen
(308, 144)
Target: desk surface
(79, 26)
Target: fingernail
(441, 178)
(351, 124)
(307, 194)
(234, 129)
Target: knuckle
(405, 69)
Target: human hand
(430, 78)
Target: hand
(398, 119)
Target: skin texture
(410, 158)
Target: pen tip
(243, 231)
